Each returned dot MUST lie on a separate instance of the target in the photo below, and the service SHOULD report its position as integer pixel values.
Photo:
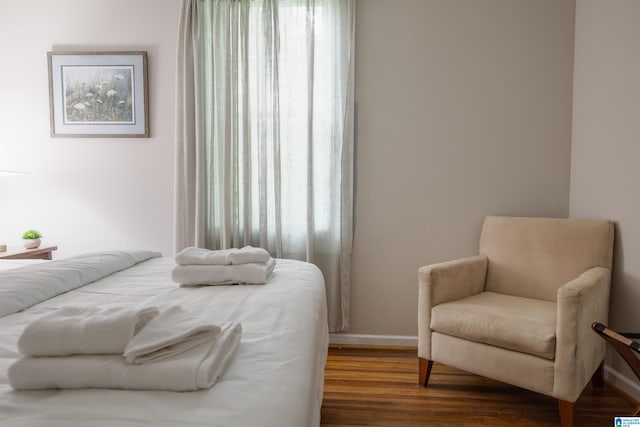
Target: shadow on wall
(625, 297)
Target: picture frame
(98, 94)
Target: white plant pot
(31, 243)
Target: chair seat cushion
(514, 323)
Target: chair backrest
(533, 257)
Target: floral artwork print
(98, 94)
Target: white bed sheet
(275, 378)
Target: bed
(274, 379)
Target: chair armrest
(446, 281)
(452, 280)
(579, 351)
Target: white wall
(606, 148)
(85, 194)
(464, 111)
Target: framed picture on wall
(98, 94)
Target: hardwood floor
(378, 387)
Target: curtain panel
(265, 132)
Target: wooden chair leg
(567, 413)
(598, 376)
(424, 371)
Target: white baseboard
(381, 340)
(615, 378)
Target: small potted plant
(31, 239)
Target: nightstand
(43, 252)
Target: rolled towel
(201, 256)
(194, 275)
(84, 330)
(195, 369)
(170, 333)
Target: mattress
(274, 379)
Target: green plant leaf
(31, 234)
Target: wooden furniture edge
(43, 252)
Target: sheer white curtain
(265, 132)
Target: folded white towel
(249, 254)
(195, 369)
(200, 256)
(170, 333)
(194, 275)
(84, 330)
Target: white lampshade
(9, 173)
(3, 172)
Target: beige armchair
(521, 311)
